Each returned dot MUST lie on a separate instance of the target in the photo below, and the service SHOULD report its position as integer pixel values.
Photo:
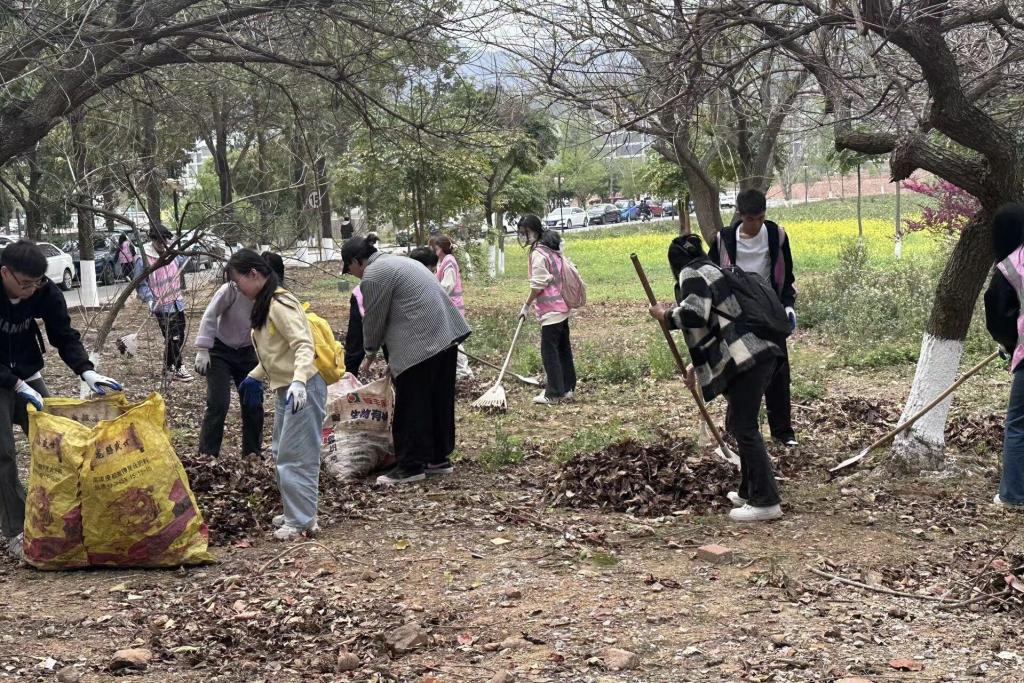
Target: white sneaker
(749, 513)
(180, 375)
(16, 547)
(999, 501)
(568, 396)
(542, 399)
(289, 533)
(278, 520)
(734, 498)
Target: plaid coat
(717, 349)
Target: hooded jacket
(21, 341)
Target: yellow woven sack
(135, 505)
(58, 442)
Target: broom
(532, 381)
(723, 450)
(494, 398)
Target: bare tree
(672, 72)
(935, 86)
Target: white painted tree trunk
(327, 247)
(921, 447)
(88, 294)
(302, 251)
(899, 247)
(492, 254)
(501, 260)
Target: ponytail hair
(243, 262)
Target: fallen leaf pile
(642, 479)
(970, 432)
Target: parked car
(104, 254)
(60, 267)
(204, 253)
(602, 214)
(655, 207)
(628, 210)
(669, 208)
(566, 217)
(727, 200)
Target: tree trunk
(220, 151)
(262, 175)
(86, 230)
(324, 192)
(109, 204)
(899, 224)
(860, 222)
(34, 198)
(921, 447)
(151, 174)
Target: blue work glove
(98, 383)
(251, 392)
(296, 396)
(30, 395)
(791, 314)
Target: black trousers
(228, 367)
(556, 354)
(424, 420)
(757, 480)
(12, 491)
(777, 400)
(172, 327)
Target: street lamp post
(561, 206)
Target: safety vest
(1012, 268)
(550, 299)
(358, 294)
(449, 263)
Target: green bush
(506, 450)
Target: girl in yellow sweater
(284, 348)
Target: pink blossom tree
(953, 211)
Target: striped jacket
(407, 311)
(717, 350)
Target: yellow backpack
(329, 353)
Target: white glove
(202, 361)
(151, 303)
(32, 396)
(98, 383)
(523, 311)
(296, 396)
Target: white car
(566, 217)
(60, 267)
(727, 200)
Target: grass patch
(506, 450)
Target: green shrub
(506, 450)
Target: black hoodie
(21, 342)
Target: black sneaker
(398, 475)
(439, 468)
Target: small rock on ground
(131, 658)
(619, 660)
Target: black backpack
(763, 312)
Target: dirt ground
(492, 582)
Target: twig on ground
(878, 589)
(293, 548)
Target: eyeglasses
(31, 284)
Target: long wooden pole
(680, 363)
(915, 417)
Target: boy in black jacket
(28, 295)
(762, 247)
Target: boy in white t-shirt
(760, 246)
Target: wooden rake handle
(680, 363)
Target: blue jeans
(1011, 488)
(296, 449)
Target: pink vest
(165, 284)
(550, 299)
(449, 263)
(1012, 268)
(358, 294)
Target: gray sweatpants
(12, 492)
(296, 449)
